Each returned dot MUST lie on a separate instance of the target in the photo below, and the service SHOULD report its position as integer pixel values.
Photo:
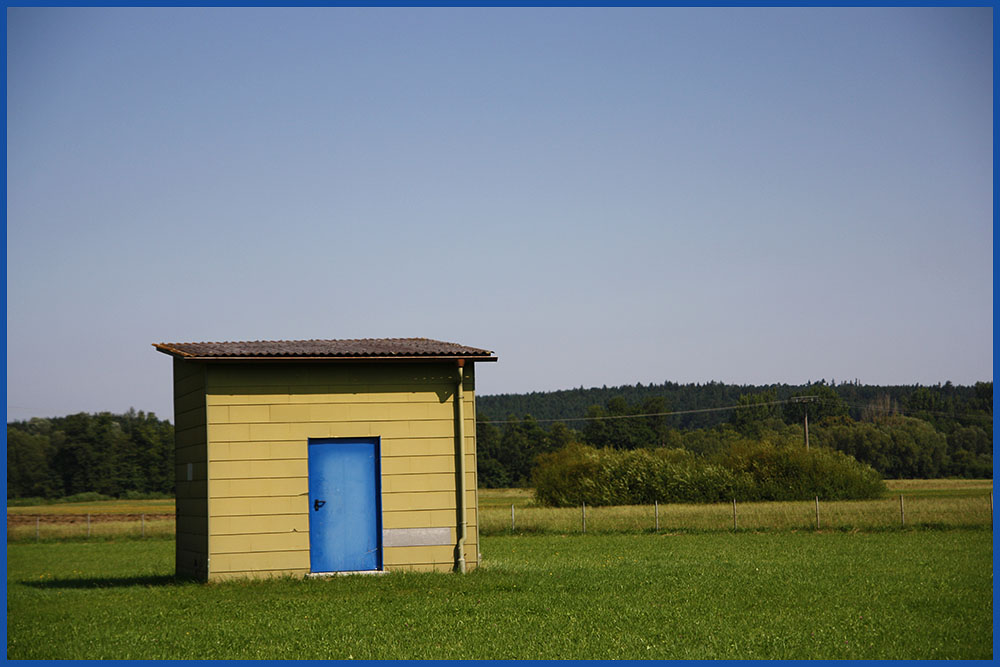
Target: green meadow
(895, 594)
(925, 504)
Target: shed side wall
(260, 418)
(190, 452)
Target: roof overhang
(338, 360)
(240, 354)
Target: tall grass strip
(882, 514)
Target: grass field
(920, 511)
(926, 503)
(913, 594)
(160, 506)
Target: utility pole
(805, 414)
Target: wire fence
(882, 514)
(899, 511)
(96, 526)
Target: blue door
(344, 509)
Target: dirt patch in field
(23, 519)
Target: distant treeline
(114, 455)
(931, 403)
(902, 432)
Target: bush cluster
(746, 471)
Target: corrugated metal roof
(353, 348)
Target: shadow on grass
(112, 582)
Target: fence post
(512, 518)
(656, 514)
(585, 517)
(143, 519)
(36, 528)
(817, 512)
(734, 513)
(88, 525)
(902, 516)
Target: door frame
(376, 443)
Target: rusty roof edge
(166, 349)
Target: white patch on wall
(416, 537)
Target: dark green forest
(924, 402)
(901, 431)
(114, 455)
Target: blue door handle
(317, 504)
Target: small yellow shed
(325, 456)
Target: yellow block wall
(259, 420)
(190, 454)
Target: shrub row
(746, 471)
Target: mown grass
(913, 594)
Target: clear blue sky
(600, 196)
